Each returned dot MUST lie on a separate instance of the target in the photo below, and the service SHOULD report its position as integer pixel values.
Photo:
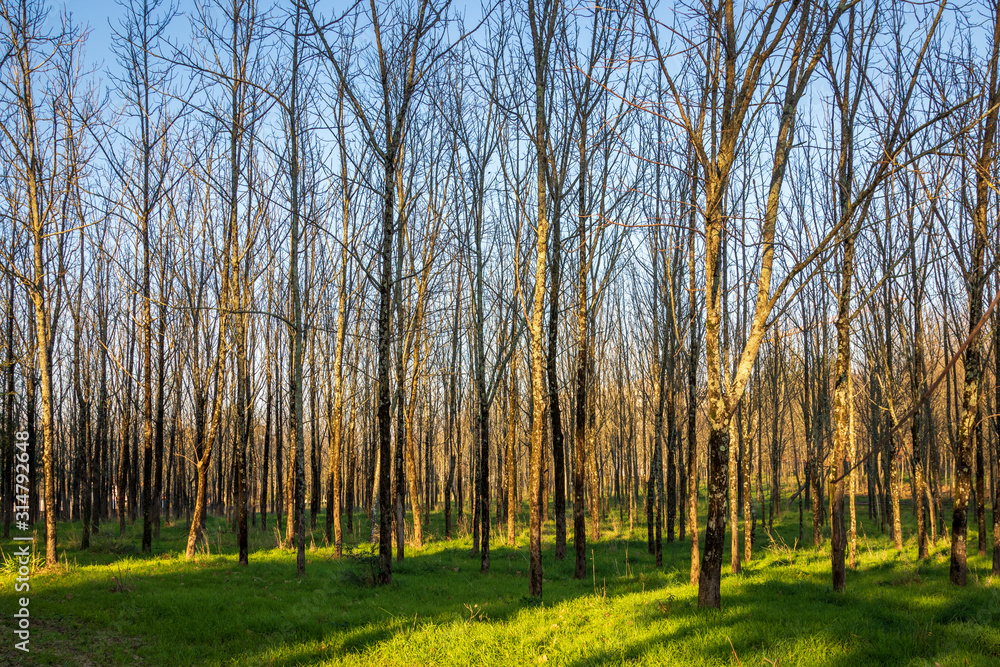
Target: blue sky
(95, 14)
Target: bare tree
(975, 279)
(30, 50)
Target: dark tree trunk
(981, 445)
(692, 406)
(709, 583)
(160, 415)
(996, 449)
(555, 417)
(266, 462)
(973, 353)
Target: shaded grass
(114, 606)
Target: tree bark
(542, 33)
(973, 353)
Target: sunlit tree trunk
(542, 31)
(973, 353)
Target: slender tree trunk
(160, 413)
(842, 412)
(749, 519)
(973, 353)
(412, 470)
(147, 319)
(692, 406)
(352, 465)
(124, 435)
(336, 427)
(450, 422)
(555, 416)
(384, 398)
(853, 480)
(981, 445)
(265, 464)
(9, 428)
(513, 507)
(279, 457)
(580, 428)
(399, 472)
(542, 32)
(296, 510)
(996, 448)
(83, 409)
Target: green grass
(113, 606)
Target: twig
(734, 651)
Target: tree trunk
(980, 480)
(265, 464)
(580, 426)
(996, 448)
(513, 508)
(692, 407)
(842, 412)
(746, 448)
(542, 30)
(555, 417)
(973, 353)
(734, 481)
(709, 583)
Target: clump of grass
(10, 563)
(121, 545)
(908, 577)
(475, 614)
(362, 569)
(124, 582)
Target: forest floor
(113, 606)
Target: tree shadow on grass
(212, 611)
(876, 622)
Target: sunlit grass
(114, 606)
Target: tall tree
(975, 282)
(32, 53)
(400, 73)
(542, 20)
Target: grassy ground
(112, 606)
